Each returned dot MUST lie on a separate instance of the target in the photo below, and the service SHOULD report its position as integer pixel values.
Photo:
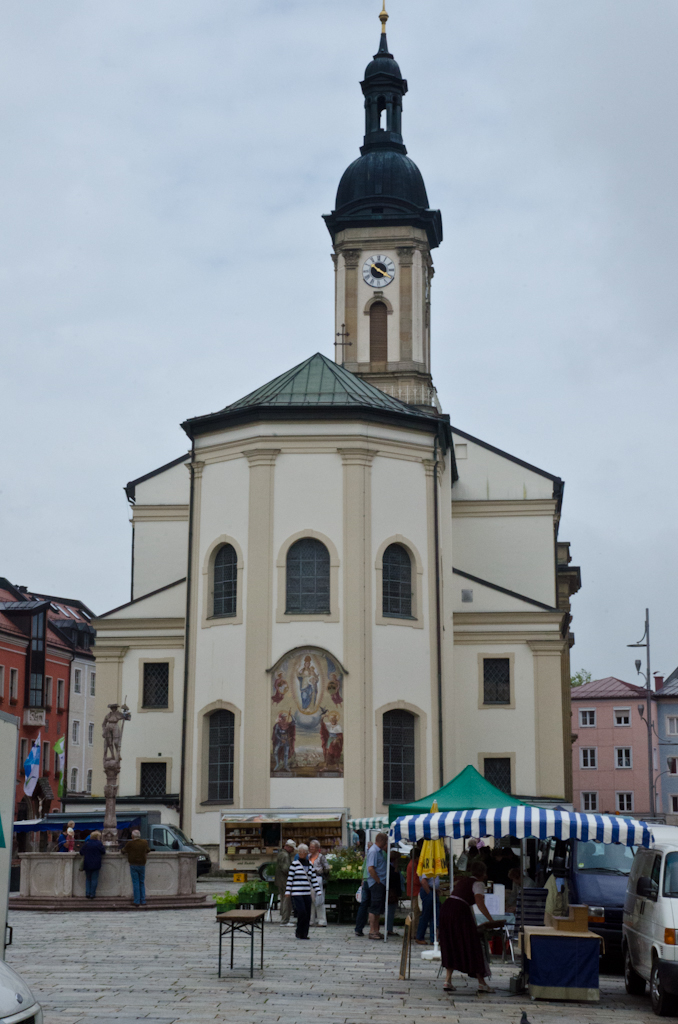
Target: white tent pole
(388, 879)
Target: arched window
(397, 583)
(398, 735)
(308, 578)
(378, 333)
(225, 581)
(221, 756)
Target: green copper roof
(320, 382)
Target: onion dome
(383, 186)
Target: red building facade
(40, 636)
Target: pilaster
(351, 260)
(358, 699)
(550, 769)
(405, 259)
(193, 586)
(258, 628)
(432, 472)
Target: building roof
(317, 387)
(609, 687)
(670, 687)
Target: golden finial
(383, 17)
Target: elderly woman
(304, 887)
(460, 943)
(322, 870)
(92, 851)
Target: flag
(32, 768)
(59, 751)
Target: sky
(163, 173)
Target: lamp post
(645, 642)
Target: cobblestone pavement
(159, 967)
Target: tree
(580, 677)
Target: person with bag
(92, 851)
(322, 870)
(363, 900)
(303, 886)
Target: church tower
(383, 233)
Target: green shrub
(346, 863)
(225, 901)
(249, 890)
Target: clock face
(378, 271)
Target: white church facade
(338, 599)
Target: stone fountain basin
(58, 875)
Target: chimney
(658, 682)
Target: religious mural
(307, 720)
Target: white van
(650, 930)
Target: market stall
(250, 840)
(562, 961)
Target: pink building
(609, 752)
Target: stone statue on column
(112, 732)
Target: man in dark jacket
(92, 851)
(136, 851)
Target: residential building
(375, 598)
(666, 739)
(42, 638)
(609, 754)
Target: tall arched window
(221, 756)
(398, 735)
(378, 333)
(225, 581)
(397, 582)
(308, 578)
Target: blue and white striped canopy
(522, 822)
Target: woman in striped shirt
(303, 886)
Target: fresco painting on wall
(307, 699)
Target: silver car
(18, 1005)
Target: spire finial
(383, 17)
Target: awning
(522, 822)
(367, 823)
(45, 825)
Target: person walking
(460, 945)
(92, 851)
(70, 840)
(282, 867)
(302, 886)
(428, 893)
(376, 880)
(322, 870)
(413, 886)
(395, 890)
(136, 850)
(363, 911)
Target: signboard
(9, 741)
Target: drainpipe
(187, 628)
(439, 651)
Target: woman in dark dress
(460, 944)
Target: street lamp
(645, 642)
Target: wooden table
(246, 921)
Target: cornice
(160, 513)
(142, 625)
(507, 618)
(522, 507)
(518, 636)
(314, 444)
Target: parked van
(597, 875)
(650, 939)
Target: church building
(339, 600)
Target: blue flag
(32, 768)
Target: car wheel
(663, 1004)
(266, 872)
(635, 985)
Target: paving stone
(161, 968)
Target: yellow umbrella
(433, 858)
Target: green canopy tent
(467, 791)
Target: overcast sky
(163, 171)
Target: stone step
(47, 904)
